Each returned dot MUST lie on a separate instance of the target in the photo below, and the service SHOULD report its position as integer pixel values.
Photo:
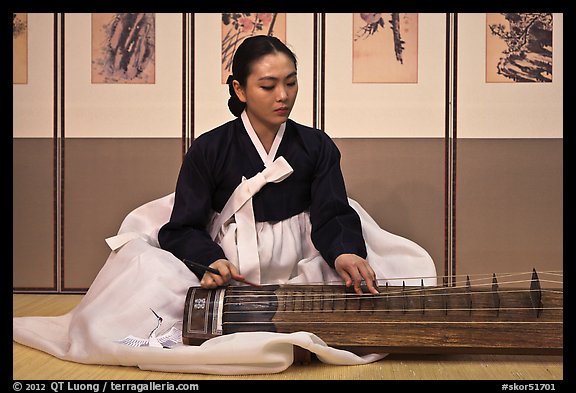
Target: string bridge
(536, 293)
(495, 294)
(469, 294)
(422, 297)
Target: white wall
(485, 110)
(375, 110)
(124, 110)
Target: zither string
(302, 297)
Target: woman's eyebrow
(273, 78)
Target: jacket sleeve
(185, 234)
(336, 227)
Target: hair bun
(234, 104)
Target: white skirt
(139, 276)
(287, 255)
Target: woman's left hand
(353, 269)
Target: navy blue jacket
(214, 166)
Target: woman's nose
(281, 95)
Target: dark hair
(250, 50)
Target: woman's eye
(267, 87)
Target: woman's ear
(239, 90)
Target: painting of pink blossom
(236, 27)
(518, 47)
(123, 48)
(20, 48)
(385, 48)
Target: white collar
(267, 158)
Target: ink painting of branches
(519, 47)
(123, 48)
(385, 48)
(236, 27)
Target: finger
(346, 277)
(358, 286)
(204, 281)
(224, 271)
(370, 279)
(372, 286)
(356, 279)
(224, 276)
(219, 280)
(239, 277)
(235, 274)
(208, 281)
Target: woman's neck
(266, 133)
(266, 138)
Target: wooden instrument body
(398, 320)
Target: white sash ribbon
(240, 206)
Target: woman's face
(270, 91)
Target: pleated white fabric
(139, 276)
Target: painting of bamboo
(385, 48)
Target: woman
(259, 198)
(311, 202)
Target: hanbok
(142, 288)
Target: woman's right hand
(227, 272)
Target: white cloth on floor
(139, 276)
